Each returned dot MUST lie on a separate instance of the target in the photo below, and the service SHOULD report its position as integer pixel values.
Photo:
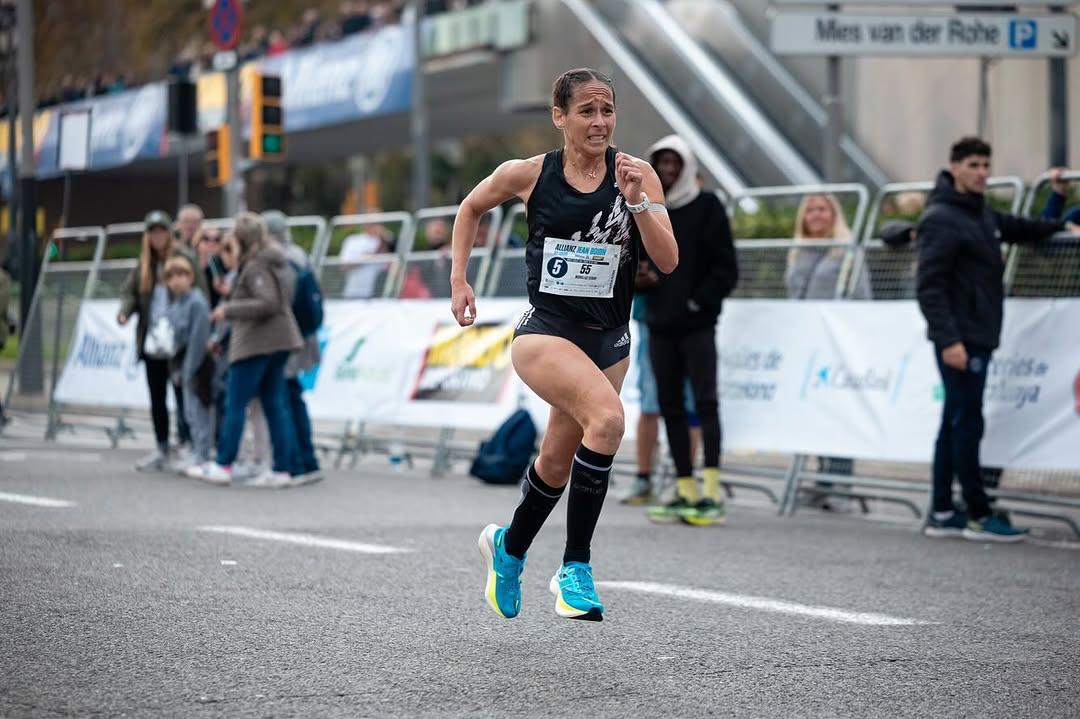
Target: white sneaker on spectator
(271, 480)
(243, 471)
(312, 477)
(156, 461)
(211, 472)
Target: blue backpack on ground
(504, 458)
(307, 300)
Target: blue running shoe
(575, 593)
(993, 529)
(503, 591)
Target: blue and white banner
(358, 77)
(124, 127)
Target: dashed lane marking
(34, 501)
(763, 604)
(306, 540)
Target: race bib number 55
(579, 269)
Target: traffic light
(218, 167)
(267, 119)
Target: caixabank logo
(828, 375)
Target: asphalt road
(151, 595)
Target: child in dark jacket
(192, 369)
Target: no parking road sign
(225, 23)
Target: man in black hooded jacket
(961, 295)
(681, 311)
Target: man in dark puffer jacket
(961, 295)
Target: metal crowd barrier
(507, 277)
(496, 269)
(892, 272)
(892, 277)
(763, 263)
(66, 278)
(425, 273)
(382, 238)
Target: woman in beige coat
(263, 334)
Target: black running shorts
(604, 347)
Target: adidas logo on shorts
(624, 340)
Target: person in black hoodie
(961, 295)
(681, 313)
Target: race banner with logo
(102, 368)
(408, 362)
(859, 379)
(850, 379)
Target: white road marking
(24, 456)
(117, 565)
(35, 501)
(307, 540)
(763, 604)
(228, 562)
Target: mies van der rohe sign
(810, 32)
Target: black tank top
(557, 210)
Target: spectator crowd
(196, 57)
(229, 321)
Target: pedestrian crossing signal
(217, 159)
(267, 119)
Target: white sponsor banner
(799, 32)
(852, 379)
(102, 367)
(858, 379)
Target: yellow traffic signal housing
(267, 119)
(217, 158)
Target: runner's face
(589, 121)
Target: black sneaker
(946, 528)
(705, 513)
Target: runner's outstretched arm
(514, 178)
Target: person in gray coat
(818, 271)
(264, 333)
(303, 360)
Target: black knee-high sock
(537, 500)
(588, 486)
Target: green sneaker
(671, 512)
(705, 513)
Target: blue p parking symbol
(557, 267)
(1023, 34)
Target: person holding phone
(208, 248)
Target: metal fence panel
(763, 223)
(426, 272)
(508, 276)
(360, 256)
(65, 279)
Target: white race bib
(579, 269)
